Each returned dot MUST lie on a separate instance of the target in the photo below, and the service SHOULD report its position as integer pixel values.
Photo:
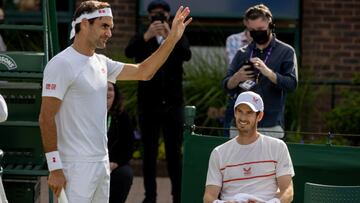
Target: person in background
(3, 109)
(3, 46)
(266, 66)
(236, 41)
(120, 145)
(233, 43)
(160, 100)
(250, 167)
(3, 117)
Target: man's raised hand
(180, 22)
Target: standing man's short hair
(258, 11)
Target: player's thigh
(82, 180)
(102, 191)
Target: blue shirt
(282, 61)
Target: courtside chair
(318, 193)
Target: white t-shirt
(250, 169)
(81, 83)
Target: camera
(158, 16)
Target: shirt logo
(103, 70)
(50, 86)
(247, 171)
(255, 100)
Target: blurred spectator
(2, 18)
(120, 145)
(27, 5)
(3, 109)
(160, 100)
(235, 41)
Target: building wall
(330, 51)
(124, 12)
(331, 38)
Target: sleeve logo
(50, 86)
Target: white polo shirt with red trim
(250, 169)
(80, 82)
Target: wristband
(53, 160)
(218, 201)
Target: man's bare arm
(146, 69)
(49, 108)
(211, 193)
(286, 189)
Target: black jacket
(120, 139)
(166, 85)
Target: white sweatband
(97, 13)
(53, 160)
(218, 201)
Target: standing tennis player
(73, 110)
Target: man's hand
(179, 23)
(166, 30)
(240, 76)
(243, 74)
(265, 71)
(113, 166)
(57, 181)
(157, 28)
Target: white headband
(95, 14)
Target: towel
(243, 197)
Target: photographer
(267, 66)
(160, 100)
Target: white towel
(243, 197)
(63, 198)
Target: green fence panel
(197, 150)
(324, 164)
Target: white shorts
(87, 182)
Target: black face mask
(260, 36)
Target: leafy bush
(345, 117)
(202, 87)
(299, 108)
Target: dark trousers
(169, 120)
(121, 180)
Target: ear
(272, 27)
(84, 23)
(260, 116)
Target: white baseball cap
(253, 100)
